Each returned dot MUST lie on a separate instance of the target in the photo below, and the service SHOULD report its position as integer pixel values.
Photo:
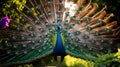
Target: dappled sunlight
(72, 61)
(118, 54)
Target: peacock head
(59, 25)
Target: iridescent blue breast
(59, 49)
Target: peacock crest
(58, 27)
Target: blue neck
(59, 48)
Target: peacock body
(58, 27)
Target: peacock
(58, 28)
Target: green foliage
(108, 60)
(101, 3)
(112, 7)
(2, 4)
(11, 8)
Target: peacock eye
(78, 11)
(49, 2)
(31, 28)
(85, 36)
(52, 31)
(66, 22)
(9, 51)
(14, 37)
(67, 14)
(23, 20)
(37, 21)
(84, 44)
(86, 19)
(32, 34)
(15, 46)
(78, 21)
(47, 24)
(25, 52)
(59, 19)
(49, 14)
(59, 12)
(41, 16)
(33, 41)
(111, 42)
(24, 45)
(49, 35)
(38, 7)
(32, 48)
(71, 25)
(96, 33)
(76, 32)
(41, 29)
(23, 37)
(29, 11)
(107, 30)
(102, 40)
(18, 28)
(60, 4)
(72, 18)
(89, 28)
(77, 39)
(16, 53)
(93, 41)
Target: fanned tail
(87, 32)
(31, 37)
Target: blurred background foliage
(8, 7)
(113, 6)
(108, 60)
